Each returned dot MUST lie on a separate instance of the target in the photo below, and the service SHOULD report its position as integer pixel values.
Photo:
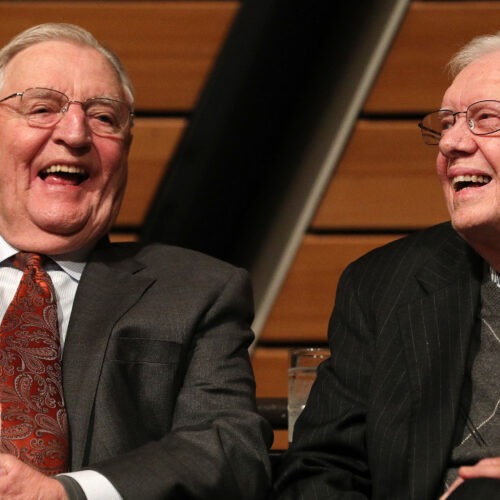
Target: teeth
(54, 169)
(476, 179)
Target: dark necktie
(33, 418)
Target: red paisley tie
(33, 418)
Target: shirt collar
(72, 263)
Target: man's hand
(488, 467)
(19, 481)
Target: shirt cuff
(90, 485)
(72, 488)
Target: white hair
(476, 48)
(63, 32)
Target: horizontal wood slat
(413, 77)
(154, 142)
(280, 440)
(167, 47)
(385, 180)
(270, 365)
(271, 376)
(121, 237)
(303, 307)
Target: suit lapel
(436, 331)
(106, 291)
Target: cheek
(491, 153)
(442, 167)
(113, 159)
(19, 146)
(114, 173)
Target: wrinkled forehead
(477, 81)
(79, 70)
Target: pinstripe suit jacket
(157, 380)
(381, 418)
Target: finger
(488, 467)
(452, 488)
(489, 461)
(4, 463)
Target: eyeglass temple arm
(15, 94)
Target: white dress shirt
(65, 273)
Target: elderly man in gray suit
(157, 393)
(407, 407)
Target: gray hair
(63, 32)
(476, 48)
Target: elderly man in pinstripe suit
(407, 405)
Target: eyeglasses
(482, 118)
(44, 108)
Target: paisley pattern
(33, 419)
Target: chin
(55, 245)
(480, 236)
(43, 240)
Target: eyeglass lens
(482, 118)
(45, 107)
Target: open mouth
(469, 181)
(66, 173)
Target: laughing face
(60, 187)
(468, 165)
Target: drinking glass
(301, 375)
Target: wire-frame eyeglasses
(482, 118)
(44, 108)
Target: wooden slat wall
(414, 76)
(168, 47)
(384, 186)
(381, 188)
(302, 311)
(153, 144)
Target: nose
(458, 139)
(72, 128)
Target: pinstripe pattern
(379, 422)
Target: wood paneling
(413, 77)
(271, 376)
(280, 440)
(167, 47)
(385, 180)
(303, 307)
(270, 365)
(154, 142)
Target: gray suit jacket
(157, 380)
(380, 421)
